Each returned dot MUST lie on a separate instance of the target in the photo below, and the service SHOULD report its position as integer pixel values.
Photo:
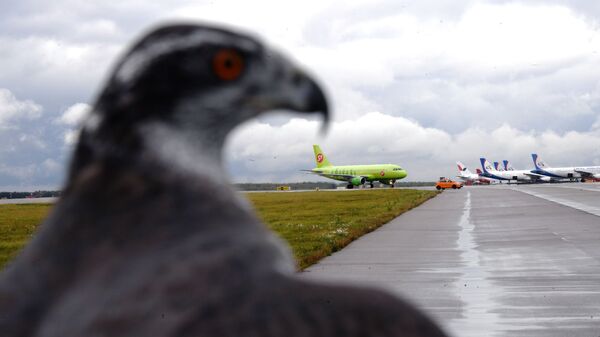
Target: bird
(149, 238)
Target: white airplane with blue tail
(573, 173)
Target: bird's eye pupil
(228, 64)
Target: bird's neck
(189, 153)
(155, 148)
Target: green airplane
(357, 175)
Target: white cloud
(456, 79)
(12, 109)
(445, 64)
(70, 137)
(75, 114)
(260, 152)
(73, 118)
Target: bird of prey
(150, 239)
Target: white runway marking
(580, 187)
(569, 203)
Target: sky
(422, 84)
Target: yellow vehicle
(445, 183)
(283, 188)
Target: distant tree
(35, 194)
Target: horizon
(421, 85)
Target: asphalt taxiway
(28, 201)
(489, 261)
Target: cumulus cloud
(452, 65)
(75, 114)
(73, 118)
(456, 79)
(262, 152)
(12, 108)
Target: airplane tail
(463, 169)
(537, 161)
(497, 166)
(320, 158)
(486, 165)
(508, 166)
(478, 171)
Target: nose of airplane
(403, 174)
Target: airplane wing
(585, 173)
(537, 176)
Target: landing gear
(349, 186)
(372, 186)
(392, 182)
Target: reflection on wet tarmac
(473, 286)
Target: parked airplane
(490, 172)
(516, 175)
(467, 176)
(507, 166)
(573, 173)
(357, 175)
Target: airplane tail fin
(320, 158)
(478, 171)
(462, 168)
(497, 166)
(486, 165)
(537, 161)
(508, 166)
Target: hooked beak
(318, 103)
(297, 91)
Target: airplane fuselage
(378, 172)
(512, 175)
(356, 175)
(573, 173)
(559, 172)
(474, 178)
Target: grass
(17, 225)
(315, 224)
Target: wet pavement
(489, 261)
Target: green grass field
(17, 225)
(315, 224)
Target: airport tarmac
(28, 201)
(489, 261)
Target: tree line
(23, 195)
(241, 187)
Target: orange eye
(228, 64)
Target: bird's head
(200, 80)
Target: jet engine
(358, 181)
